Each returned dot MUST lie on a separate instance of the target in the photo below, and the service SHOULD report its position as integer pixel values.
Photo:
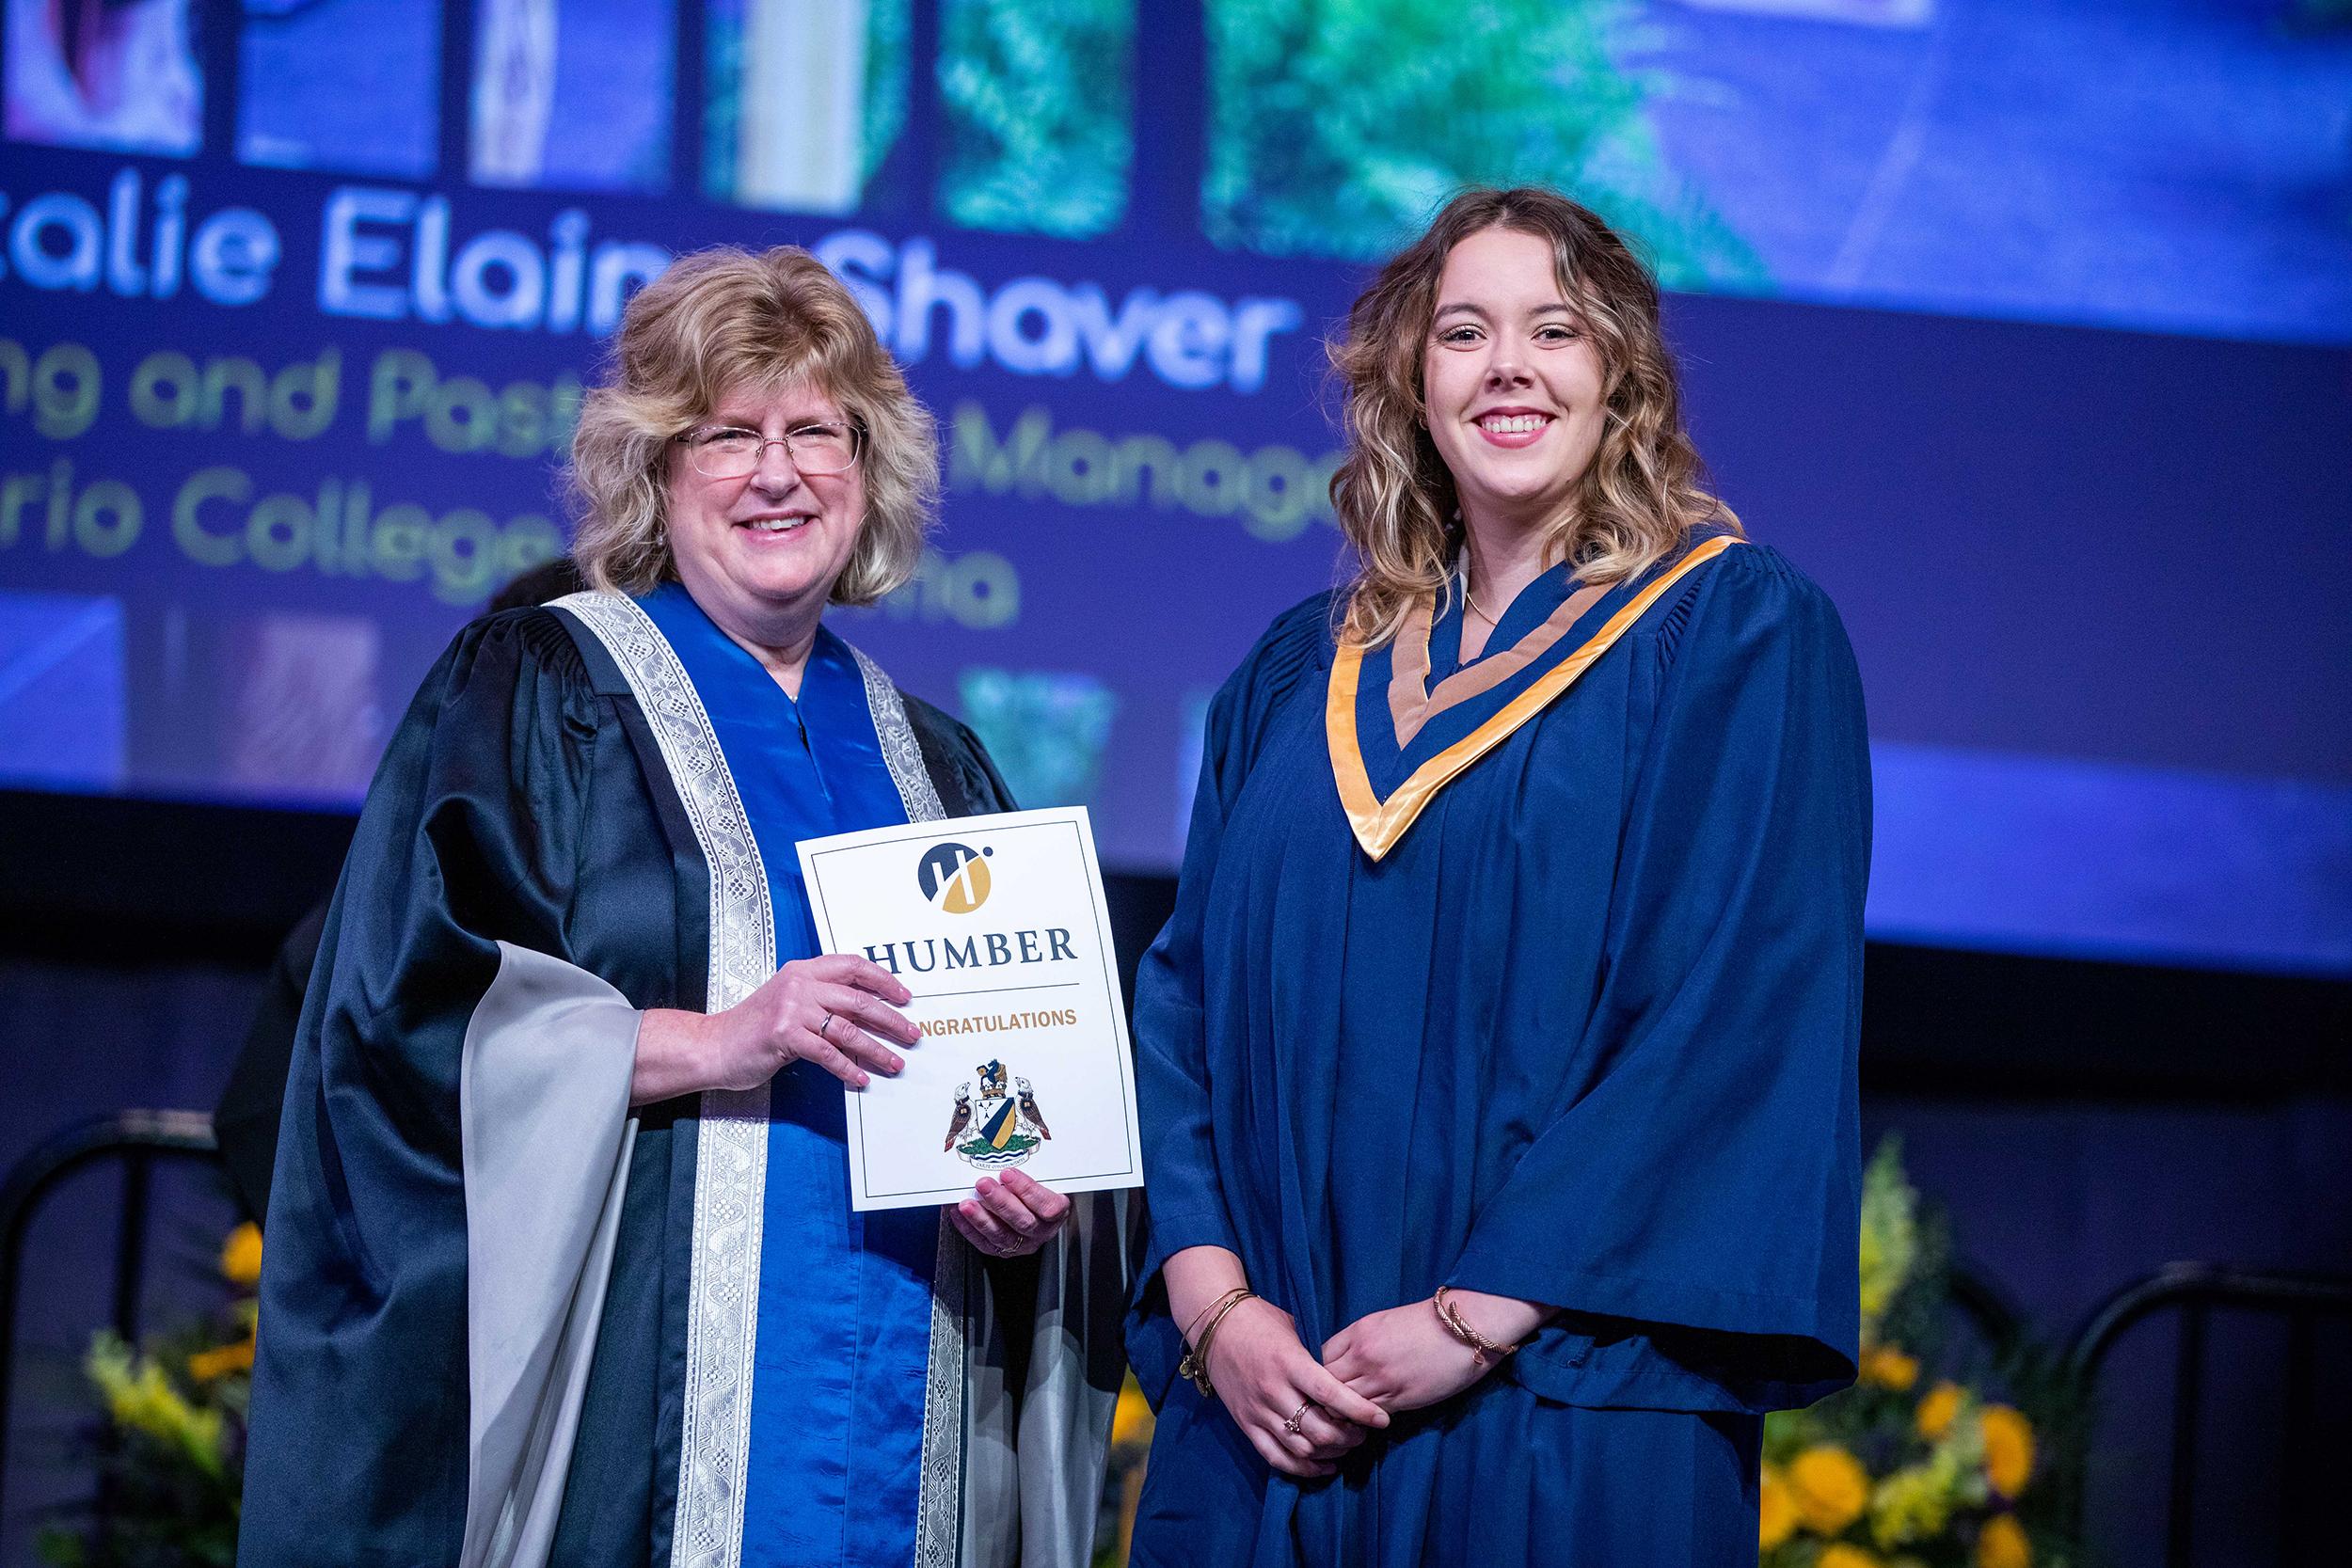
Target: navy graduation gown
(1584, 1034)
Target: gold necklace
(1471, 599)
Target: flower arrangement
(1966, 1470)
(170, 1455)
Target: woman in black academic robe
(561, 1262)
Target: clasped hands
(835, 1012)
(1304, 1416)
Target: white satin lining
(543, 1115)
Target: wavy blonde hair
(1640, 497)
(715, 322)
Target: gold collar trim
(1378, 824)
(1412, 702)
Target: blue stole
(845, 1299)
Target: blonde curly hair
(721, 320)
(1640, 497)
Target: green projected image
(1036, 96)
(2167, 164)
(1337, 126)
(1047, 731)
(1035, 100)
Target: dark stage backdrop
(2027, 329)
(2039, 365)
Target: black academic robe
(530, 828)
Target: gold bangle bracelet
(1195, 1364)
(1479, 1346)
(1238, 1289)
(1208, 1336)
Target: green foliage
(171, 1457)
(1037, 96)
(1890, 1234)
(1921, 1421)
(1338, 126)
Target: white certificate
(997, 925)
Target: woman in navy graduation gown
(1497, 1065)
(562, 1265)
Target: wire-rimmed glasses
(730, 451)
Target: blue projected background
(2026, 329)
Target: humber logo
(954, 877)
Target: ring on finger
(1291, 1426)
(824, 1030)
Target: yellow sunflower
(1888, 1366)
(1829, 1487)
(2002, 1544)
(1776, 1511)
(2008, 1448)
(208, 1365)
(1132, 1421)
(1938, 1411)
(1838, 1555)
(241, 1255)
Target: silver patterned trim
(939, 1503)
(899, 746)
(731, 1144)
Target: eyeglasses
(730, 452)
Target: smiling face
(760, 553)
(1511, 385)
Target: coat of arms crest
(994, 1126)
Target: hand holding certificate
(997, 925)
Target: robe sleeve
(1040, 1433)
(1183, 1197)
(1694, 1208)
(453, 1143)
(253, 1102)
